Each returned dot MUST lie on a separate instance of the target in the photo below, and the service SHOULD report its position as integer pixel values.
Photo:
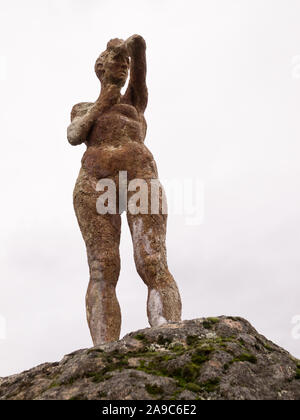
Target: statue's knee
(148, 265)
(105, 270)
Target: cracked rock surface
(222, 358)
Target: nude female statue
(113, 129)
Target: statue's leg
(102, 237)
(148, 235)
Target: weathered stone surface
(214, 358)
(114, 129)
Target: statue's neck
(110, 92)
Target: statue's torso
(116, 143)
(117, 126)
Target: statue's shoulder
(79, 110)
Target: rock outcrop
(211, 358)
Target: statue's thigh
(100, 231)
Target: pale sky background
(224, 97)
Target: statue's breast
(127, 110)
(119, 123)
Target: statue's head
(112, 65)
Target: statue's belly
(108, 159)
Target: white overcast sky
(224, 85)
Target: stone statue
(113, 129)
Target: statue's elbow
(140, 41)
(74, 141)
(73, 136)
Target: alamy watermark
(295, 62)
(148, 196)
(3, 68)
(3, 328)
(296, 329)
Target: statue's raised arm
(137, 93)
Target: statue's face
(112, 66)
